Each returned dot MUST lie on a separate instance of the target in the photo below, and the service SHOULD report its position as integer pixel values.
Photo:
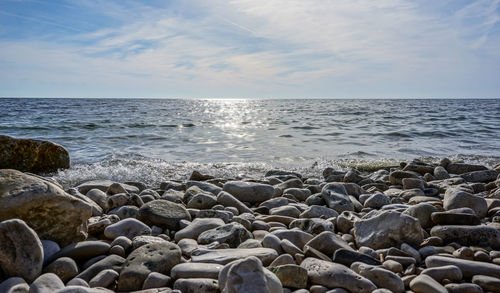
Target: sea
(153, 140)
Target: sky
(250, 48)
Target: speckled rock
(163, 213)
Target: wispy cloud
(255, 48)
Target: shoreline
(415, 227)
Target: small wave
(286, 135)
(305, 127)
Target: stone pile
(416, 228)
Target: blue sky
(250, 48)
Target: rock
(449, 218)
(197, 176)
(328, 242)
(227, 200)
(440, 173)
(163, 213)
(129, 228)
(469, 235)
(225, 256)
(463, 288)
(396, 177)
(142, 240)
(196, 270)
(336, 197)
(297, 237)
(411, 183)
(198, 226)
(21, 252)
(469, 268)
(156, 280)
(452, 273)
(377, 200)
(488, 283)
(156, 257)
(426, 284)
(460, 168)
(291, 276)
(103, 279)
(49, 249)
(316, 211)
(14, 285)
(382, 278)
(213, 189)
(247, 275)
(299, 193)
(44, 206)
(197, 285)
(480, 176)
(114, 262)
(30, 155)
(224, 215)
(82, 250)
(46, 283)
(64, 267)
(249, 191)
(233, 234)
(99, 197)
(313, 226)
(125, 212)
(104, 185)
(349, 256)
(202, 201)
(455, 198)
(423, 212)
(333, 275)
(387, 229)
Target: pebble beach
(414, 228)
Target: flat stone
(227, 200)
(349, 256)
(460, 168)
(469, 268)
(299, 193)
(129, 228)
(388, 229)
(82, 250)
(112, 261)
(156, 280)
(21, 252)
(288, 211)
(196, 270)
(448, 218)
(224, 215)
(488, 283)
(103, 279)
(291, 275)
(198, 226)
(483, 236)
(65, 268)
(316, 211)
(249, 191)
(452, 273)
(156, 257)
(225, 256)
(480, 176)
(163, 213)
(456, 198)
(297, 237)
(333, 275)
(328, 242)
(233, 234)
(46, 283)
(31, 155)
(463, 288)
(382, 278)
(44, 206)
(212, 188)
(426, 284)
(197, 285)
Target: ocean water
(152, 140)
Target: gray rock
(21, 252)
(382, 278)
(297, 237)
(196, 270)
(460, 168)
(299, 193)
(103, 279)
(275, 202)
(463, 288)
(316, 211)
(233, 234)
(49, 249)
(469, 235)
(469, 268)
(163, 213)
(124, 212)
(396, 177)
(65, 268)
(333, 275)
(129, 228)
(197, 285)
(142, 240)
(31, 155)
(336, 197)
(212, 188)
(225, 256)
(14, 285)
(202, 201)
(455, 198)
(104, 185)
(347, 257)
(440, 173)
(227, 200)
(249, 191)
(156, 280)
(198, 226)
(82, 250)
(313, 226)
(387, 229)
(426, 284)
(423, 212)
(114, 262)
(224, 215)
(44, 206)
(156, 257)
(480, 176)
(288, 211)
(488, 283)
(99, 197)
(377, 200)
(46, 283)
(327, 243)
(452, 273)
(291, 275)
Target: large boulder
(388, 229)
(44, 206)
(29, 155)
(21, 252)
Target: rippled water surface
(139, 137)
